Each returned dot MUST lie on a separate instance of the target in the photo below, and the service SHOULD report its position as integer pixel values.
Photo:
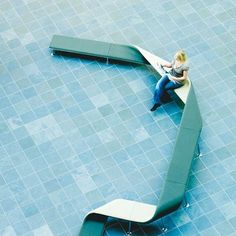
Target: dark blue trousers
(162, 86)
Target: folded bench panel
(95, 48)
(170, 199)
(93, 225)
(191, 117)
(184, 152)
(126, 53)
(79, 46)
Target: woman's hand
(169, 65)
(184, 77)
(172, 78)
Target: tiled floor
(75, 134)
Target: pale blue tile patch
(44, 129)
(43, 230)
(9, 230)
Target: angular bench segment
(97, 49)
(127, 210)
(183, 154)
(79, 46)
(93, 225)
(126, 53)
(170, 199)
(191, 117)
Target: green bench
(185, 148)
(96, 49)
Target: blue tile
(86, 106)
(32, 152)
(29, 210)
(29, 92)
(134, 150)
(202, 223)
(31, 180)
(38, 163)
(58, 227)
(199, 193)
(43, 203)
(93, 141)
(100, 179)
(58, 197)
(120, 156)
(35, 221)
(8, 112)
(231, 193)
(15, 216)
(54, 106)
(28, 117)
(112, 173)
(188, 229)
(207, 205)
(52, 158)
(2, 181)
(52, 186)
(212, 187)
(6, 138)
(8, 204)
(216, 217)
(26, 142)
(13, 148)
(233, 222)
(41, 111)
(10, 175)
(106, 110)
(35, 190)
(21, 227)
(224, 228)
(4, 103)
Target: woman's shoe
(155, 106)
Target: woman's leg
(172, 85)
(160, 89)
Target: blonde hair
(181, 56)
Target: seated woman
(175, 78)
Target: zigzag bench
(185, 148)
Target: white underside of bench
(127, 210)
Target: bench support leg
(198, 152)
(52, 53)
(129, 233)
(107, 62)
(186, 204)
(163, 228)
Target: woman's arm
(168, 65)
(184, 77)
